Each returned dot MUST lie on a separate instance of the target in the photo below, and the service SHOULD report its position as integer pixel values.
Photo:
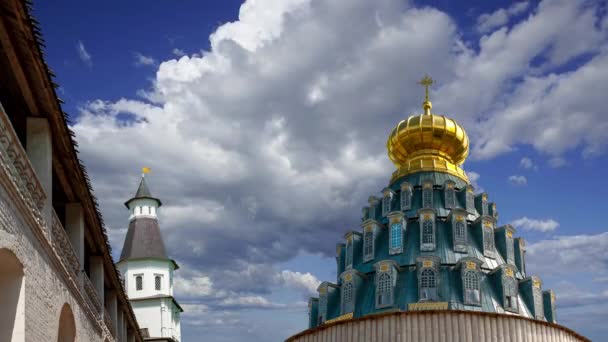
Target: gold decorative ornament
(509, 272)
(340, 318)
(427, 263)
(383, 268)
(471, 265)
(428, 306)
(348, 277)
(428, 142)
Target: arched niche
(12, 297)
(67, 325)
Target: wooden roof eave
(38, 89)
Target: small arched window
(510, 248)
(460, 232)
(368, 244)
(510, 291)
(470, 200)
(349, 253)
(384, 290)
(396, 236)
(347, 298)
(488, 239)
(139, 282)
(428, 285)
(406, 198)
(427, 196)
(427, 233)
(386, 203)
(471, 288)
(450, 196)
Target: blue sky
(264, 123)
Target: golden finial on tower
(426, 82)
(145, 170)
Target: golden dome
(428, 142)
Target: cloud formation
(518, 180)
(83, 54)
(268, 144)
(527, 163)
(488, 21)
(526, 223)
(144, 60)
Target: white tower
(148, 271)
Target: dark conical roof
(143, 240)
(143, 192)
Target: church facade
(57, 278)
(148, 271)
(430, 261)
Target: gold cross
(426, 82)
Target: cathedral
(431, 262)
(148, 271)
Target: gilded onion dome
(428, 142)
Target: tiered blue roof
(493, 268)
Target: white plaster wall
(156, 315)
(148, 268)
(143, 207)
(45, 290)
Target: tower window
(349, 253)
(386, 203)
(157, 282)
(471, 288)
(368, 244)
(484, 205)
(460, 231)
(538, 303)
(510, 291)
(384, 290)
(427, 196)
(450, 196)
(406, 199)
(488, 239)
(428, 285)
(427, 233)
(139, 282)
(510, 248)
(470, 200)
(347, 298)
(396, 238)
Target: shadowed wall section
(67, 326)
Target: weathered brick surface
(46, 288)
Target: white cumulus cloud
(526, 223)
(518, 180)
